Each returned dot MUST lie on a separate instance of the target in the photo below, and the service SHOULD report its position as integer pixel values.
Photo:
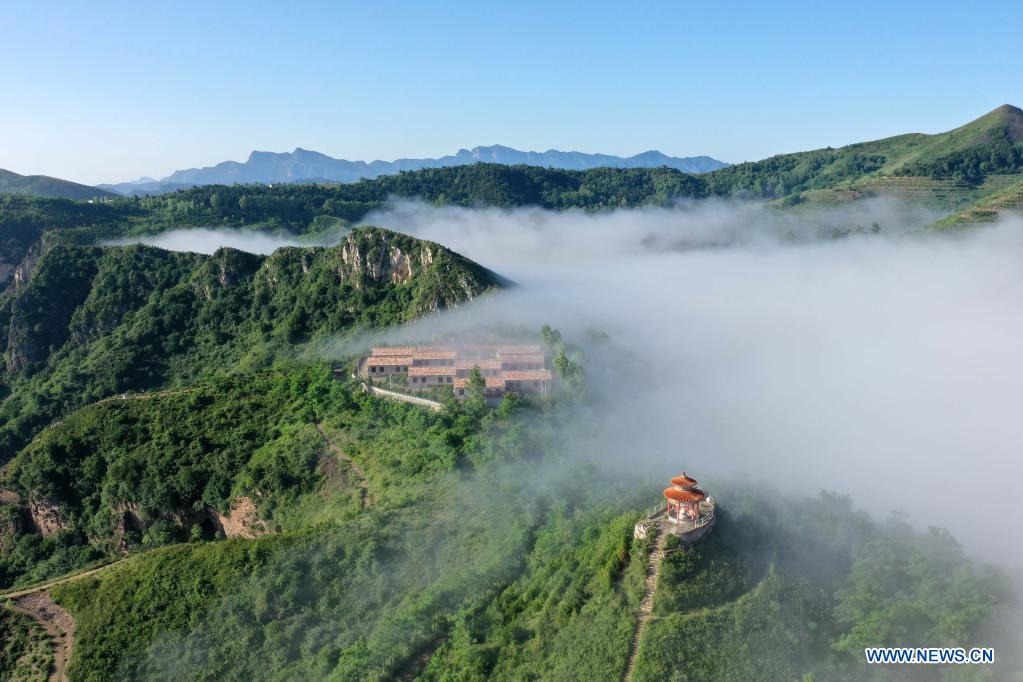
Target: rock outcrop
(47, 517)
(241, 521)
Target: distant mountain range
(45, 186)
(303, 165)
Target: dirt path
(364, 497)
(15, 594)
(146, 396)
(646, 606)
(36, 603)
(59, 626)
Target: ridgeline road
(14, 594)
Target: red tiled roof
(677, 495)
(536, 358)
(521, 349)
(683, 481)
(383, 351)
(421, 354)
(431, 371)
(469, 363)
(503, 347)
(389, 361)
(527, 375)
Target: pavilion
(686, 511)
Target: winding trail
(15, 594)
(59, 627)
(36, 603)
(646, 606)
(364, 497)
(145, 396)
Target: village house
(506, 369)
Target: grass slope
(45, 186)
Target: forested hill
(45, 186)
(87, 322)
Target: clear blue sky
(100, 91)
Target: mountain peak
(1008, 109)
(1006, 120)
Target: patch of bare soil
(59, 626)
(242, 521)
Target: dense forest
(92, 322)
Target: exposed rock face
(372, 254)
(20, 348)
(47, 518)
(9, 497)
(21, 272)
(37, 317)
(242, 521)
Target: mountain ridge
(308, 165)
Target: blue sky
(101, 92)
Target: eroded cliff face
(47, 517)
(380, 259)
(21, 272)
(370, 258)
(43, 295)
(241, 521)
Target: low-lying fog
(887, 366)
(208, 240)
(743, 341)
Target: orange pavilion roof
(683, 481)
(677, 495)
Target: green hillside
(45, 186)
(474, 554)
(962, 162)
(91, 322)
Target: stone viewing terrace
(686, 512)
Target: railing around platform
(702, 520)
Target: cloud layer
(746, 342)
(834, 349)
